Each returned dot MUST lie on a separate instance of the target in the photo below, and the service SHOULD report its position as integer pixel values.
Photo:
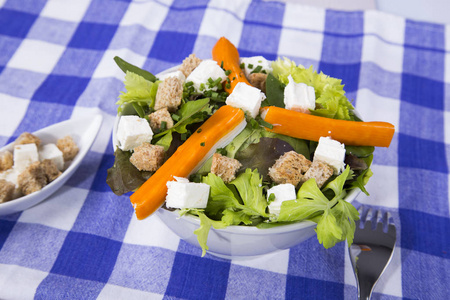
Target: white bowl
(236, 242)
(241, 242)
(83, 131)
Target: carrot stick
(310, 127)
(225, 52)
(151, 195)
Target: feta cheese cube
(10, 175)
(52, 152)
(132, 132)
(246, 97)
(332, 153)
(254, 62)
(208, 68)
(177, 74)
(282, 192)
(299, 96)
(25, 155)
(184, 194)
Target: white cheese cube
(332, 153)
(182, 194)
(246, 97)
(208, 68)
(177, 74)
(251, 63)
(10, 175)
(24, 155)
(51, 151)
(282, 192)
(132, 132)
(299, 96)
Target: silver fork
(372, 249)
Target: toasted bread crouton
(68, 147)
(289, 168)
(6, 190)
(159, 116)
(258, 80)
(189, 64)
(27, 138)
(225, 167)
(6, 160)
(33, 179)
(169, 94)
(320, 171)
(147, 157)
(50, 169)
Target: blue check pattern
(85, 243)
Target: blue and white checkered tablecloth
(84, 242)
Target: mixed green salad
(244, 200)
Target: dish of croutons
(36, 164)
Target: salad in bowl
(243, 143)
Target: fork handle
(365, 290)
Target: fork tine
(369, 214)
(390, 219)
(379, 220)
(379, 216)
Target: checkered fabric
(56, 63)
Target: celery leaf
(139, 92)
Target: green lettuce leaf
(346, 215)
(335, 218)
(274, 92)
(333, 104)
(364, 177)
(203, 231)
(249, 186)
(189, 113)
(232, 217)
(327, 230)
(165, 141)
(330, 95)
(337, 185)
(127, 67)
(192, 112)
(220, 196)
(141, 93)
(310, 201)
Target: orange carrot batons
(191, 154)
(310, 127)
(225, 52)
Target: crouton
(147, 157)
(169, 94)
(159, 116)
(320, 171)
(289, 168)
(225, 167)
(6, 160)
(189, 64)
(50, 169)
(6, 190)
(67, 147)
(27, 138)
(258, 80)
(33, 179)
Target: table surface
(84, 242)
